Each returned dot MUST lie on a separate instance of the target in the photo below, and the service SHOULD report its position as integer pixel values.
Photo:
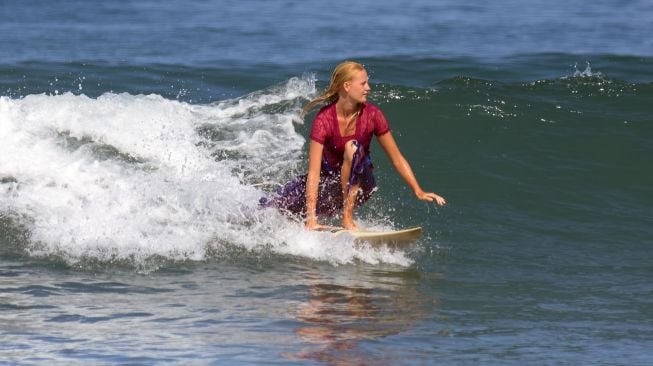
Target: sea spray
(128, 178)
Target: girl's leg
(349, 193)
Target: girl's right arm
(312, 182)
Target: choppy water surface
(136, 139)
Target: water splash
(587, 73)
(133, 177)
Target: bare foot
(349, 225)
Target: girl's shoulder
(371, 109)
(325, 115)
(325, 109)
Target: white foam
(134, 176)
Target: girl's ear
(347, 86)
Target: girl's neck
(346, 108)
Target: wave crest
(131, 178)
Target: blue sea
(136, 138)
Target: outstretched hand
(431, 197)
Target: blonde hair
(343, 73)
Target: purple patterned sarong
(291, 198)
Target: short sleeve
(320, 128)
(381, 126)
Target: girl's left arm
(400, 163)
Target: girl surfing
(340, 171)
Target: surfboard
(392, 237)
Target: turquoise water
(137, 137)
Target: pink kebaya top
(326, 131)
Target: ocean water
(136, 138)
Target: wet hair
(344, 72)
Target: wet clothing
(291, 198)
(326, 131)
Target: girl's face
(358, 87)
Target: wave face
(117, 176)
